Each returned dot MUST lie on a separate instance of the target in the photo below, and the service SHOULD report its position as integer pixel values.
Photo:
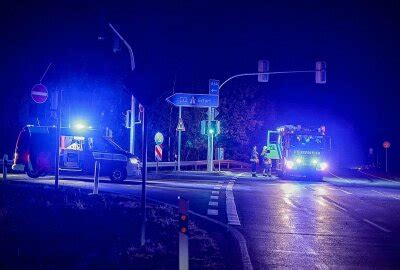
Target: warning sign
(181, 126)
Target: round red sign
(39, 93)
(386, 144)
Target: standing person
(254, 161)
(267, 162)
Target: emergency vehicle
(299, 151)
(79, 149)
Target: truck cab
(299, 151)
(79, 149)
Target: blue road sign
(213, 86)
(193, 100)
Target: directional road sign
(39, 93)
(193, 100)
(213, 87)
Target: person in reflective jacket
(254, 161)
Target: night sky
(191, 42)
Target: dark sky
(195, 41)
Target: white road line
(215, 192)
(213, 197)
(288, 201)
(211, 203)
(335, 204)
(386, 195)
(231, 211)
(378, 177)
(212, 212)
(217, 187)
(376, 225)
(347, 192)
(340, 177)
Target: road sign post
(132, 126)
(183, 234)
(386, 145)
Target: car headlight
(299, 160)
(134, 160)
(314, 161)
(323, 166)
(289, 164)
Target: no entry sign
(386, 144)
(39, 93)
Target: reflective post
(183, 234)
(96, 177)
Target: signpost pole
(179, 141)
(386, 158)
(58, 131)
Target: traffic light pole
(179, 141)
(210, 141)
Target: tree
(244, 120)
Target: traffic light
(263, 66)
(320, 72)
(183, 223)
(210, 127)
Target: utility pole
(58, 131)
(144, 178)
(132, 126)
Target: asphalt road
(349, 220)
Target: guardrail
(200, 163)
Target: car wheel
(118, 174)
(32, 173)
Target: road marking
(378, 177)
(213, 197)
(335, 204)
(386, 195)
(215, 192)
(212, 212)
(376, 225)
(217, 187)
(347, 192)
(213, 203)
(289, 202)
(348, 181)
(231, 210)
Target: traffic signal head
(320, 72)
(263, 66)
(210, 127)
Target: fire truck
(299, 151)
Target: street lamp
(132, 138)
